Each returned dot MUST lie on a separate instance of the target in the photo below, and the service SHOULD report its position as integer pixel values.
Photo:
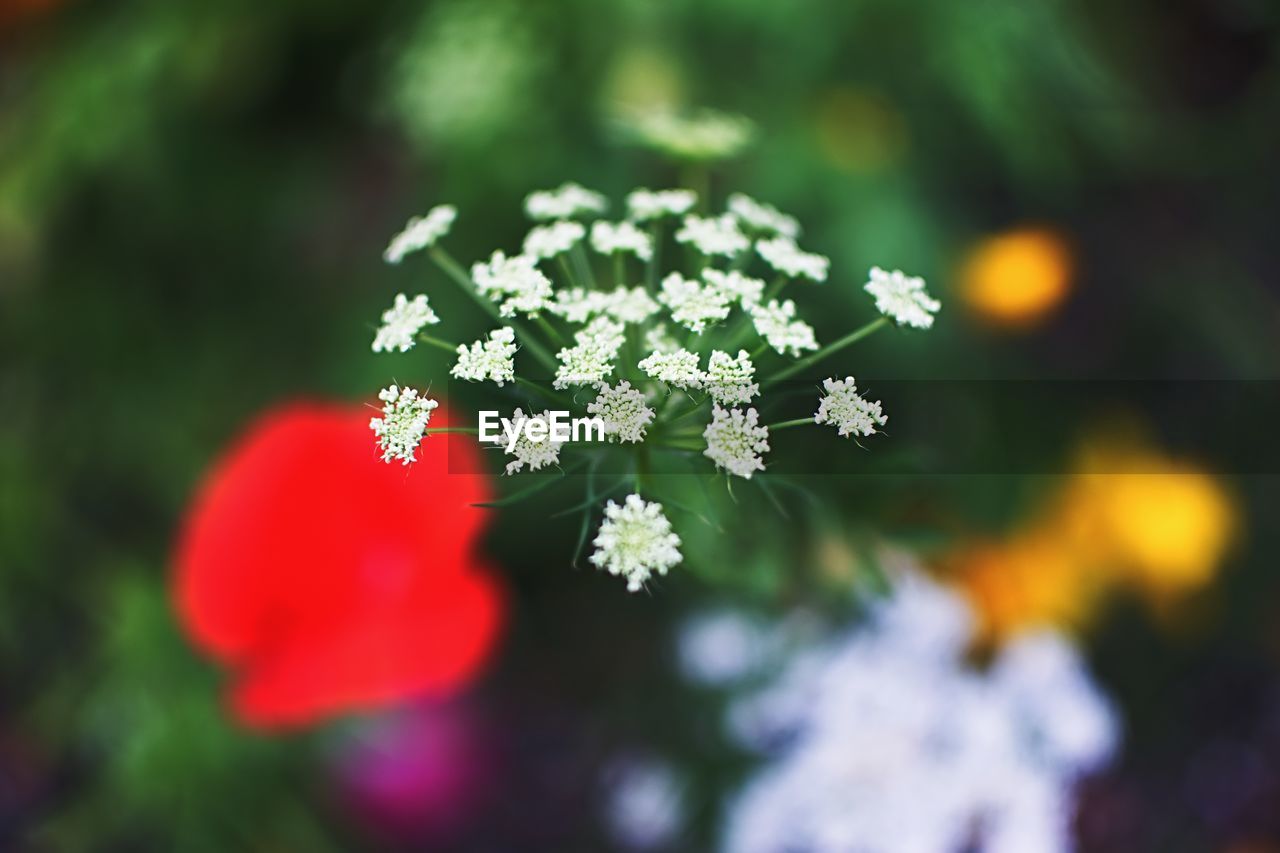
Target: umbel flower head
(401, 322)
(421, 232)
(846, 411)
(404, 421)
(635, 542)
(677, 360)
(902, 297)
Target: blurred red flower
(327, 580)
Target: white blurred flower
(635, 541)
(785, 256)
(401, 322)
(693, 305)
(1074, 721)
(737, 287)
(713, 236)
(644, 205)
(547, 241)
(658, 339)
(776, 323)
(763, 217)
(527, 452)
(890, 742)
(564, 203)
(703, 135)
(630, 305)
(610, 237)
(902, 298)
(679, 369)
(644, 807)
(844, 409)
(735, 441)
(728, 379)
(515, 283)
(721, 647)
(493, 358)
(420, 232)
(579, 305)
(404, 421)
(624, 411)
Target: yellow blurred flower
(1126, 517)
(1016, 279)
(1162, 524)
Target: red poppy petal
(430, 645)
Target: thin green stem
(651, 269)
(545, 392)
(438, 343)
(467, 430)
(455, 271)
(556, 338)
(772, 291)
(568, 270)
(584, 266)
(788, 424)
(619, 270)
(829, 350)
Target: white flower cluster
(713, 236)
(420, 232)
(844, 409)
(515, 283)
(404, 421)
(776, 323)
(693, 305)
(680, 356)
(644, 205)
(591, 360)
(886, 740)
(635, 542)
(763, 217)
(902, 297)
(623, 410)
(785, 256)
(735, 441)
(610, 237)
(528, 452)
(564, 203)
(548, 241)
(401, 322)
(488, 359)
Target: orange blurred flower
(1016, 279)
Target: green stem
(568, 270)
(619, 270)
(787, 424)
(559, 399)
(829, 350)
(773, 289)
(437, 343)
(455, 271)
(544, 325)
(697, 177)
(651, 269)
(584, 266)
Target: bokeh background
(193, 202)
